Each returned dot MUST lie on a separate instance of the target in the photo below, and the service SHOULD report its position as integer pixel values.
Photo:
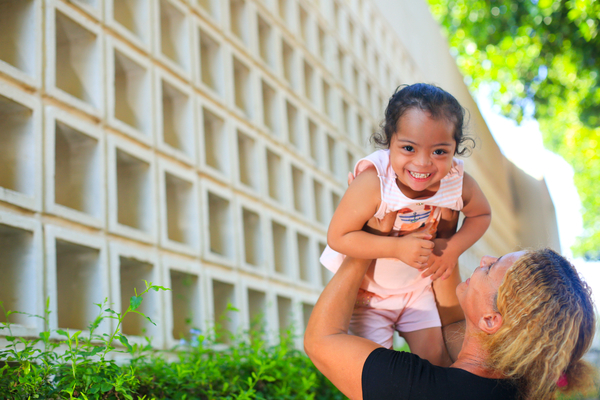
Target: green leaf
(45, 336)
(61, 332)
(26, 367)
(135, 302)
(125, 342)
(105, 387)
(157, 288)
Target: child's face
(421, 152)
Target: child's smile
(421, 152)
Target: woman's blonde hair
(548, 325)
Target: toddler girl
(417, 178)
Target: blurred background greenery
(541, 58)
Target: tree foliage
(542, 60)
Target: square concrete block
(249, 175)
(220, 224)
(239, 21)
(266, 40)
(243, 87)
(175, 117)
(91, 7)
(279, 247)
(252, 228)
(277, 177)
(132, 19)
(77, 279)
(21, 150)
(215, 142)
(21, 267)
(131, 267)
(256, 320)
(209, 70)
(129, 92)
(74, 59)
(179, 208)
(211, 9)
(271, 108)
(223, 296)
(173, 36)
(75, 165)
(300, 195)
(289, 64)
(21, 45)
(132, 190)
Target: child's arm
(359, 204)
(478, 215)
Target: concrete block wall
(202, 145)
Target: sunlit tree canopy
(542, 60)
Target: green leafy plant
(76, 365)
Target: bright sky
(524, 147)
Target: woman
(529, 320)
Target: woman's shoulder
(389, 374)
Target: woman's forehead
(505, 262)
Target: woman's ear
(490, 322)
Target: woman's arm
(338, 355)
(345, 234)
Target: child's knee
(429, 345)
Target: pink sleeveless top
(391, 276)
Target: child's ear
(490, 322)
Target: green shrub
(38, 369)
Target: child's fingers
(447, 273)
(437, 274)
(422, 235)
(430, 270)
(350, 178)
(427, 244)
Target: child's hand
(441, 262)
(415, 249)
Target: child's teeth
(420, 176)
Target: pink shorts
(417, 311)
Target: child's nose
(423, 159)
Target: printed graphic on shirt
(415, 217)
(409, 216)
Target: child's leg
(420, 326)
(451, 313)
(428, 344)
(374, 324)
(446, 300)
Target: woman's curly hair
(548, 325)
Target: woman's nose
(487, 260)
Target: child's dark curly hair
(432, 99)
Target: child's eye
(408, 148)
(439, 152)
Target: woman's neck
(473, 358)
